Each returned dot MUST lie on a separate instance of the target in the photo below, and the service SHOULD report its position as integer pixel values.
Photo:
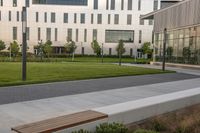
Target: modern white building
(107, 21)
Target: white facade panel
(6, 26)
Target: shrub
(111, 128)
(144, 131)
(158, 126)
(81, 131)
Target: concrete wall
(135, 111)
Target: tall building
(83, 21)
(182, 21)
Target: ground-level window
(14, 33)
(113, 36)
(110, 51)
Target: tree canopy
(96, 48)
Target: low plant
(144, 131)
(111, 128)
(81, 131)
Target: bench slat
(59, 123)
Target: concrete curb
(134, 111)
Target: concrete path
(30, 111)
(49, 90)
(179, 70)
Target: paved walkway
(30, 111)
(179, 70)
(42, 91)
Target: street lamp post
(24, 42)
(102, 53)
(40, 49)
(164, 48)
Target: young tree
(2, 45)
(169, 52)
(146, 48)
(96, 48)
(186, 54)
(14, 48)
(71, 48)
(47, 48)
(120, 50)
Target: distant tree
(14, 48)
(120, 50)
(197, 56)
(47, 48)
(169, 52)
(146, 48)
(186, 54)
(71, 48)
(96, 48)
(2, 45)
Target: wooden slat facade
(185, 14)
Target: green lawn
(10, 73)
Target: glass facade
(183, 46)
(113, 36)
(62, 2)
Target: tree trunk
(120, 59)
(73, 57)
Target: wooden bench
(60, 123)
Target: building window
(122, 4)
(129, 19)
(141, 21)
(62, 2)
(14, 33)
(130, 4)
(110, 51)
(48, 34)
(75, 17)
(45, 17)
(82, 18)
(139, 5)
(53, 17)
(76, 35)
(140, 36)
(39, 34)
(9, 18)
(69, 34)
(150, 22)
(92, 18)
(1, 2)
(14, 3)
(56, 34)
(108, 18)
(113, 36)
(155, 5)
(27, 33)
(65, 18)
(131, 52)
(37, 17)
(116, 21)
(107, 4)
(95, 4)
(99, 19)
(83, 51)
(85, 35)
(94, 34)
(17, 16)
(112, 5)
